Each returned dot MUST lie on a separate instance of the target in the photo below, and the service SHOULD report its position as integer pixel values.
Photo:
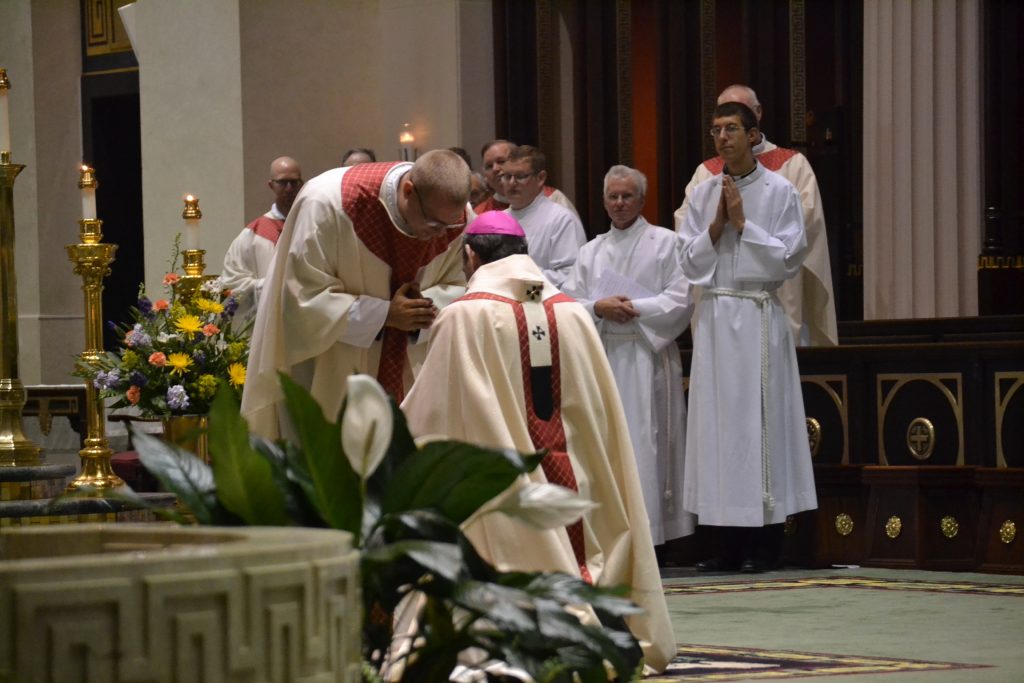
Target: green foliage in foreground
(404, 517)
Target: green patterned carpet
(923, 626)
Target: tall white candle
(88, 184)
(5, 115)
(192, 215)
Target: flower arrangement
(176, 351)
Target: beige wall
(40, 48)
(225, 87)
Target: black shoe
(752, 566)
(716, 564)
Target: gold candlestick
(16, 450)
(92, 261)
(188, 286)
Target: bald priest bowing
(366, 256)
(523, 368)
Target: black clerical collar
(741, 177)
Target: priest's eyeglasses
(518, 177)
(288, 182)
(729, 130)
(435, 224)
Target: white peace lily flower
(544, 506)
(366, 425)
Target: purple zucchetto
(495, 223)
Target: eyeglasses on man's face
(436, 224)
(287, 182)
(730, 130)
(517, 177)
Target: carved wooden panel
(920, 418)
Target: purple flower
(137, 337)
(107, 380)
(137, 378)
(230, 306)
(145, 306)
(112, 326)
(177, 399)
(199, 357)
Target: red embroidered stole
(550, 433)
(772, 160)
(268, 228)
(404, 255)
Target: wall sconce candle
(407, 140)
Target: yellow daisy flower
(236, 374)
(179, 362)
(189, 324)
(208, 306)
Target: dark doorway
(112, 143)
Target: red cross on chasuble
(550, 433)
(268, 228)
(404, 255)
(772, 160)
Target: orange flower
(157, 359)
(133, 394)
(161, 304)
(210, 329)
(171, 278)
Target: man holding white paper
(631, 282)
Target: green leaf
(455, 478)
(292, 480)
(245, 483)
(183, 474)
(338, 494)
(442, 559)
(402, 447)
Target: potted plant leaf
(405, 505)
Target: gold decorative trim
(624, 85)
(797, 73)
(813, 435)
(936, 379)
(1007, 531)
(893, 526)
(835, 387)
(921, 438)
(708, 86)
(547, 67)
(104, 32)
(844, 524)
(949, 526)
(1000, 262)
(1002, 401)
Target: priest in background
(248, 258)
(555, 233)
(522, 367)
(630, 281)
(807, 297)
(748, 463)
(368, 254)
(495, 154)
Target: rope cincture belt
(761, 298)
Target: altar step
(30, 495)
(914, 517)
